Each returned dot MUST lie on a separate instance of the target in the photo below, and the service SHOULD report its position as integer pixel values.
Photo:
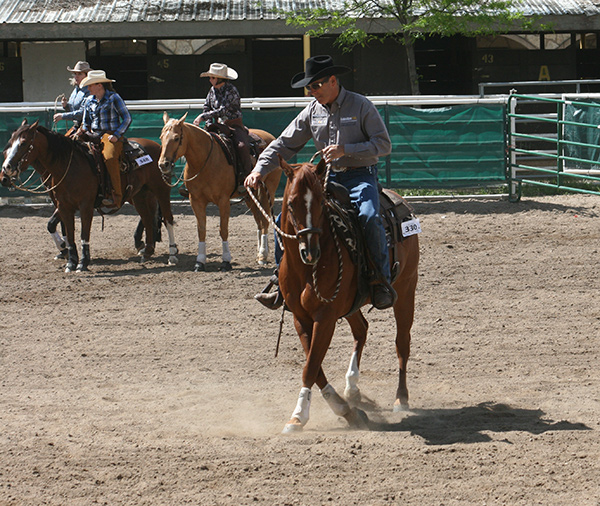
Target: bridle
(36, 190)
(299, 234)
(180, 179)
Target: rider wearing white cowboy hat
(73, 105)
(106, 114)
(223, 105)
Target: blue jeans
(364, 194)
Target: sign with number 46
(411, 227)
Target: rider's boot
(271, 300)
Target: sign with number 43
(411, 227)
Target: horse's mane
(60, 146)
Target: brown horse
(209, 177)
(318, 281)
(68, 170)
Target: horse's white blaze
(226, 252)
(201, 258)
(308, 198)
(302, 411)
(338, 405)
(352, 377)
(11, 153)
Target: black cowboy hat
(316, 68)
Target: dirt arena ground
(153, 385)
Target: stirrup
(270, 300)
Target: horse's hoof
(81, 268)
(225, 266)
(141, 252)
(139, 246)
(69, 267)
(357, 419)
(352, 396)
(61, 256)
(173, 260)
(199, 267)
(400, 407)
(292, 428)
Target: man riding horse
(349, 132)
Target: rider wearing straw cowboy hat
(348, 131)
(223, 104)
(105, 114)
(73, 106)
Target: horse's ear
(182, 119)
(24, 122)
(286, 167)
(165, 117)
(321, 168)
(35, 124)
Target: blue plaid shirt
(107, 115)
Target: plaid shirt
(107, 115)
(222, 103)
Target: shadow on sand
(470, 424)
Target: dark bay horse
(68, 171)
(209, 177)
(319, 281)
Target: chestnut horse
(69, 172)
(318, 281)
(209, 177)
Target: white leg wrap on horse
(201, 258)
(338, 405)
(226, 252)
(172, 246)
(58, 240)
(302, 410)
(264, 246)
(352, 377)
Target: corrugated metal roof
(120, 11)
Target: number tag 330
(411, 227)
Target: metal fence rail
(552, 149)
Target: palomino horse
(318, 281)
(209, 177)
(68, 171)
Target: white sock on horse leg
(352, 376)
(338, 405)
(226, 252)
(264, 245)
(201, 258)
(58, 240)
(302, 411)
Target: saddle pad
(394, 210)
(135, 154)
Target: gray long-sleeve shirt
(352, 121)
